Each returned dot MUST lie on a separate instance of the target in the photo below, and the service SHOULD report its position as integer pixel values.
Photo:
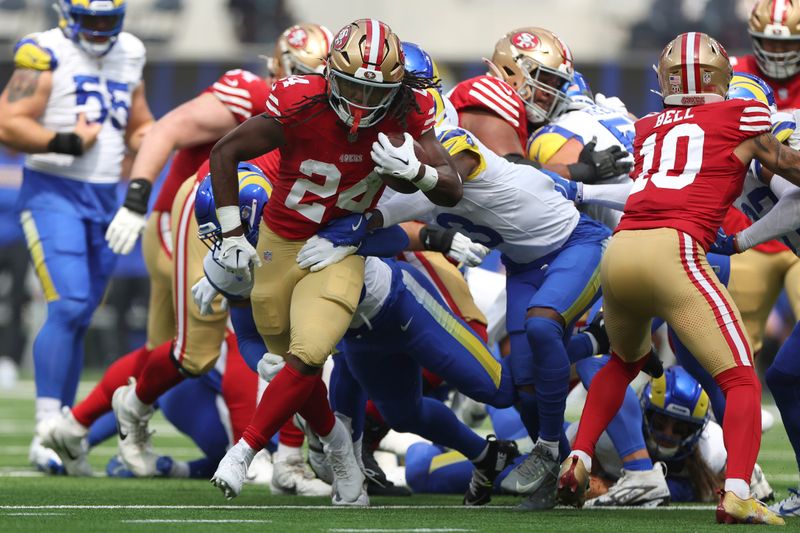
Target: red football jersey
(268, 163)
(686, 173)
(322, 174)
(787, 92)
(491, 94)
(245, 95)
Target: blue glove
(571, 190)
(724, 245)
(349, 230)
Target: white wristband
(229, 218)
(428, 180)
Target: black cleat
(597, 329)
(500, 454)
(377, 483)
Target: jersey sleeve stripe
(273, 99)
(231, 90)
(494, 107)
(755, 109)
(494, 97)
(494, 91)
(755, 118)
(272, 109)
(763, 127)
(241, 102)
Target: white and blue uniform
(552, 256)
(67, 202)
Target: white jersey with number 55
(99, 87)
(686, 174)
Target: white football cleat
(790, 506)
(67, 437)
(44, 459)
(760, 489)
(767, 420)
(293, 476)
(232, 470)
(133, 434)
(316, 455)
(260, 470)
(348, 479)
(646, 488)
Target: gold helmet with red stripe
(538, 64)
(301, 49)
(693, 69)
(365, 70)
(774, 26)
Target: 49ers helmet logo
(341, 38)
(297, 38)
(525, 40)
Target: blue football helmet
(579, 91)
(419, 62)
(254, 191)
(92, 24)
(675, 409)
(750, 87)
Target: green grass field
(32, 502)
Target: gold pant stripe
(584, 299)
(465, 337)
(37, 256)
(445, 459)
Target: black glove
(594, 166)
(436, 238)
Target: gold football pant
(756, 281)
(664, 273)
(301, 312)
(157, 251)
(197, 338)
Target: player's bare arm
(492, 131)
(448, 188)
(251, 139)
(203, 119)
(140, 119)
(22, 102)
(777, 157)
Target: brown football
(401, 185)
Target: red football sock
(291, 435)
(317, 411)
(98, 402)
(287, 393)
(158, 375)
(606, 393)
(741, 426)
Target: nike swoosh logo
(404, 161)
(524, 487)
(405, 326)
(232, 83)
(356, 226)
(789, 510)
(60, 444)
(122, 436)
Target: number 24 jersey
(686, 174)
(322, 174)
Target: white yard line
(193, 521)
(331, 508)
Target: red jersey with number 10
(322, 174)
(686, 173)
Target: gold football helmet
(774, 26)
(365, 70)
(538, 64)
(301, 49)
(693, 69)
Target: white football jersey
(514, 208)
(610, 127)
(99, 87)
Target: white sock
(552, 447)
(330, 437)
(47, 407)
(739, 487)
(583, 456)
(283, 452)
(133, 401)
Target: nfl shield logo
(267, 256)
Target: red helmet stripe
(684, 70)
(373, 47)
(780, 9)
(696, 53)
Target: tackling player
(74, 104)
(326, 129)
(671, 217)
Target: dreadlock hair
(404, 101)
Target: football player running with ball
(672, 216)
(330, 133)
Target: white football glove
(610, 102)
(397, 161)
(236, 254)
(123, 231)
(203, 294)
(466, 251)
(269, 366)
(317, 253)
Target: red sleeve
(754, 119)
(494, 96)
(288, 93)
(424, 120)
(242, 92)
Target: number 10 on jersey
(679, 162)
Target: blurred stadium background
(190, 43)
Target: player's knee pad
(541, 330)
(70, 312)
